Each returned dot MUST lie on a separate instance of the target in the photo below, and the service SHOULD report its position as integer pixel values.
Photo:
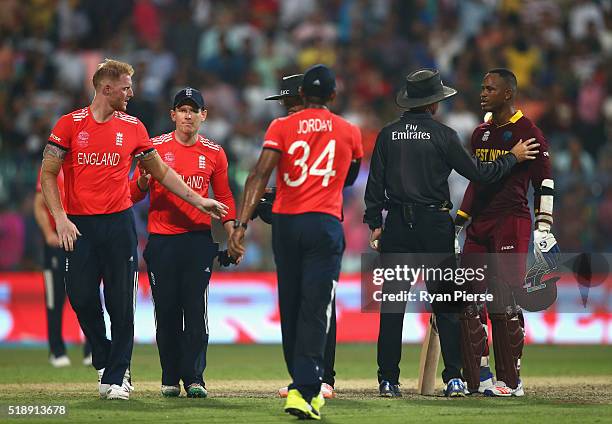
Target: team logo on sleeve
(83, 139)
(202, 162)
(119, 139)
(486, 135)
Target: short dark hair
(507, 75)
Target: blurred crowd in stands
(235, 51)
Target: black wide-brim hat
(423, 87)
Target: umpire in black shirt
(409, 171)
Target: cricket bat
(430, 355)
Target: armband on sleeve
(544, 215)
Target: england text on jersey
(200, 166)
(98, 160)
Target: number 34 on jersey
(314, 160)
(326, 157)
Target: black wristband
(237, 224)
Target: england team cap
(188, 95)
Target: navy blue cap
(188, 95)
(289, 87)
(319, 81)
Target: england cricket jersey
(316, 148)
(98, 160)
(200, 165)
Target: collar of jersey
(518, 115)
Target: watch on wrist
(238, 224)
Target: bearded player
(501, 224)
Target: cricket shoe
(127, 380)
(327, 390)
(170, 391)
(88, 360)
(387, 389)
(116, 391)
(487, 380)
(455, 388)
(297, 406)
(59, 361)
(103, 387)
(501, 390)
(318, 402)
(196, 390)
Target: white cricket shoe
(103, 387)
(501, 390)
(487, 380)
(327, 391)
(486, 384)
(127, 380)
(116, 391)
(59, 361)
(88, 360)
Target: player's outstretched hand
(525, 150)
(212, 207)
(67, 233)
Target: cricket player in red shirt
(290, 98)
(95, 146)
(316, 153)
(53, 276)
(180, 251)
(501, 224)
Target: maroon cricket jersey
(509, 195)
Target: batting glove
(545, 249)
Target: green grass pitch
(564, 384)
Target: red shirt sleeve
(220, 185)
(143, 142)
(61, 135)
(357, 144)
(540, 168)
(273, 138)
(135, 193)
